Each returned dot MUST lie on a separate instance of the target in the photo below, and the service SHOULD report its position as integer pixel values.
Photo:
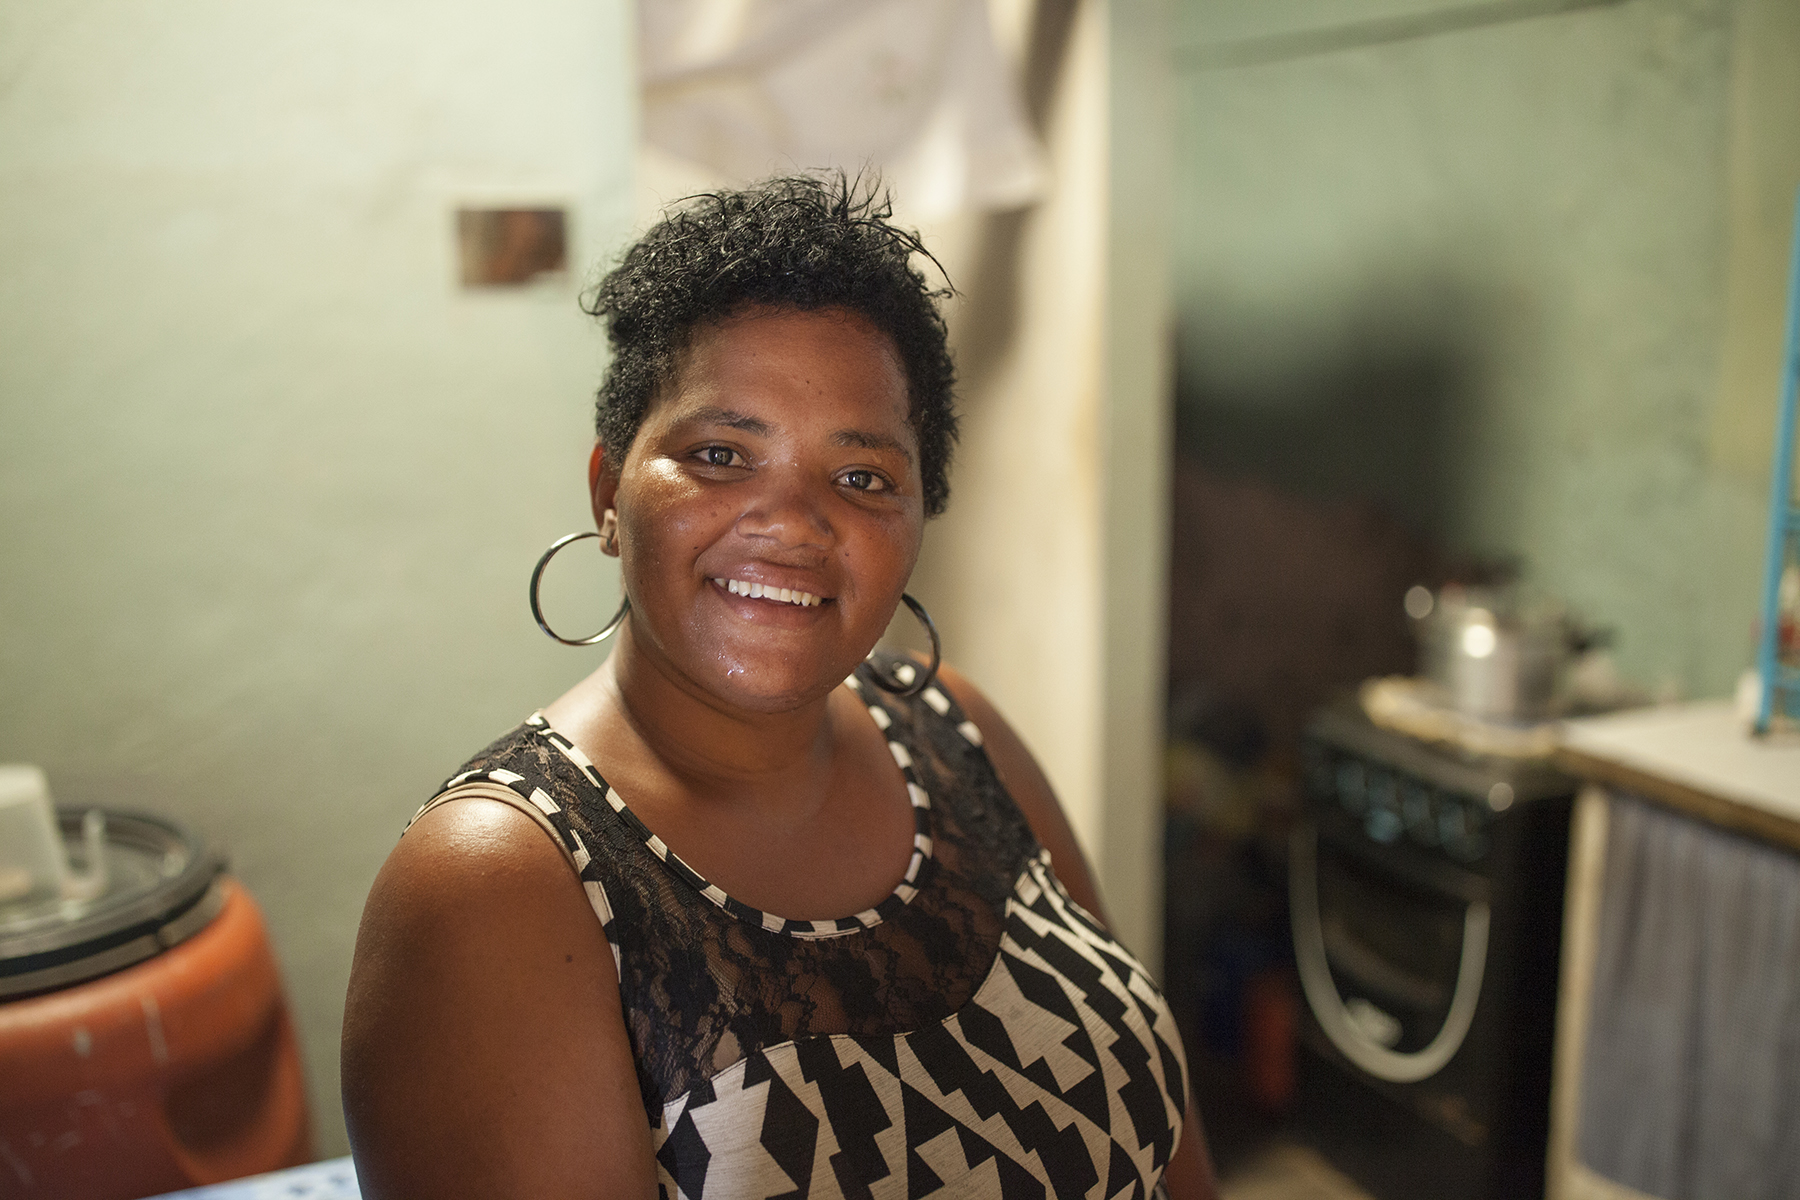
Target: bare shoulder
(1030, 788)
(484, 1049)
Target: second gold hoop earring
(537, 611)
(908, 680)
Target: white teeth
(757, 591)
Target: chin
(771, 683)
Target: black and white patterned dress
(977, 1034)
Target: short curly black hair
(798, 242)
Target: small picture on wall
(502, 247)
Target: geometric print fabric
(1062, 1077)
(977, 1034)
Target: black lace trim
(706, 980)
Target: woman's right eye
(718, 456)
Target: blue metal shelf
(1781, 683)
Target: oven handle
(1328, 1006)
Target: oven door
(1391, 948)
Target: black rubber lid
(161, 888)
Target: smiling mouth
(757, 591)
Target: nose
(788, 510)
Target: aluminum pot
(1492, 658)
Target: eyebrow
(862, 439)
(730, 419)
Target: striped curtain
(1691, 1089)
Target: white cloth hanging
(916, 88)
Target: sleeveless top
(976, 1034)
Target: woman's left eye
(864, 481)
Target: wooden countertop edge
(1708, 806)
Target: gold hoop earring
(902, 686)
(537, 612)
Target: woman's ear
(603, 486)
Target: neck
(706, 743)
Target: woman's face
(778, 460)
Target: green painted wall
(1483, 276)
(271, 484)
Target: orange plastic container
(180, 1070)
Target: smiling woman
(779, 455)
(738, 915)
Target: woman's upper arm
(1030, 789)
(485, 1051)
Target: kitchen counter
(1697, 758)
